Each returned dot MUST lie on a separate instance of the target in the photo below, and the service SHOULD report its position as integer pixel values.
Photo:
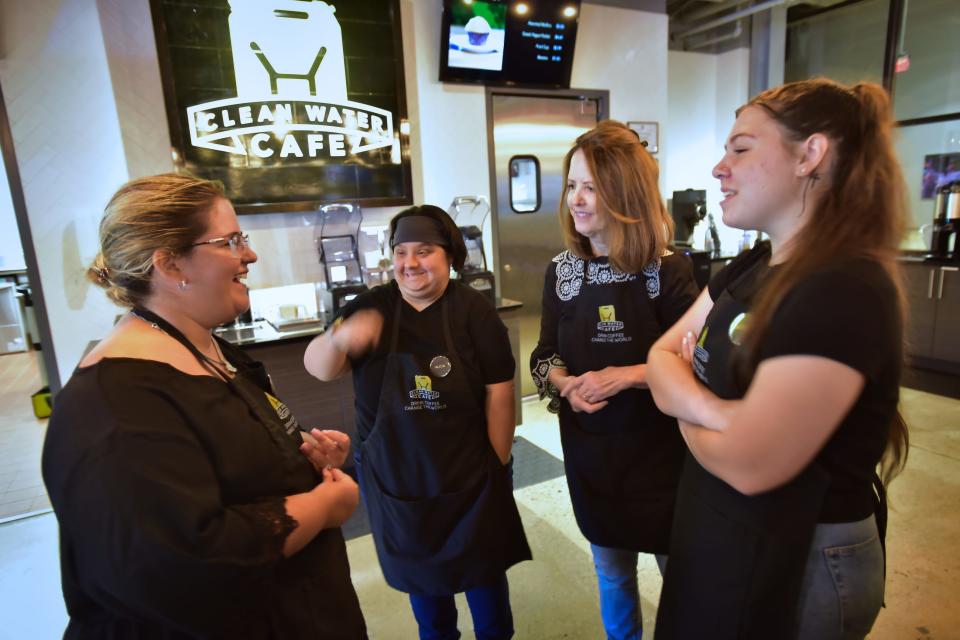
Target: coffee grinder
(689, 207)
(944, 243)
(336, 234)
(470, 212)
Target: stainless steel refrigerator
(529, 133)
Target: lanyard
(269, 419)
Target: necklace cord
(220, 367)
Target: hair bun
(99, 273)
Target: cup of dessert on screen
(478, 30)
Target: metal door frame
(602, 96)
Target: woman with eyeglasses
(190, 503)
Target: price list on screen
(545, 41)
(539, 39)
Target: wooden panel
(921, 307)
(946, 334)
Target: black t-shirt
(169, 494)
(847, 312)
(479, 337)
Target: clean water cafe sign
(290, 103)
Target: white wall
(11, 254)
(704, 92)
(625, 52)
(67, 139)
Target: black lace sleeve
(157, 528)
(271, 520)
(546, 356)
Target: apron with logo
(440, 502)
(736, 562)
(622, 462)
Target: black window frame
(539, 174)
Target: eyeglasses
(238, 242)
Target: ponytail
(862, 212)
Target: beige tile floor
(21, 437)
(554, 596)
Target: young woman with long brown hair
(605, 300)
(785, 377)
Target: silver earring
(182, 285)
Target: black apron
(622, 462)
(736, 562)
(440, 502)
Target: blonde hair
(625, 180)
(146, 214)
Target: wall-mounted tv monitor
(509, 42)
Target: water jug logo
(701, 357)
(289, 421)
(738, 328)
(608, 319)
(700, 353)
(424, 388)
(291, 89)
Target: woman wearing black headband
(433, 380)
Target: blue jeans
(842, 588)
(619, 594)
(489, 607)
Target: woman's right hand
(569, 387)
(359, 333)
(341, 495)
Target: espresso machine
(470, 212)
(944, 243)
(688, 208)
(336, 235)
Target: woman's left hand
(597, 386)
(325, 448)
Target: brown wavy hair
(860, 214)
(154, 212)
(625, 175)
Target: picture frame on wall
(289, 104)
(648, 132)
